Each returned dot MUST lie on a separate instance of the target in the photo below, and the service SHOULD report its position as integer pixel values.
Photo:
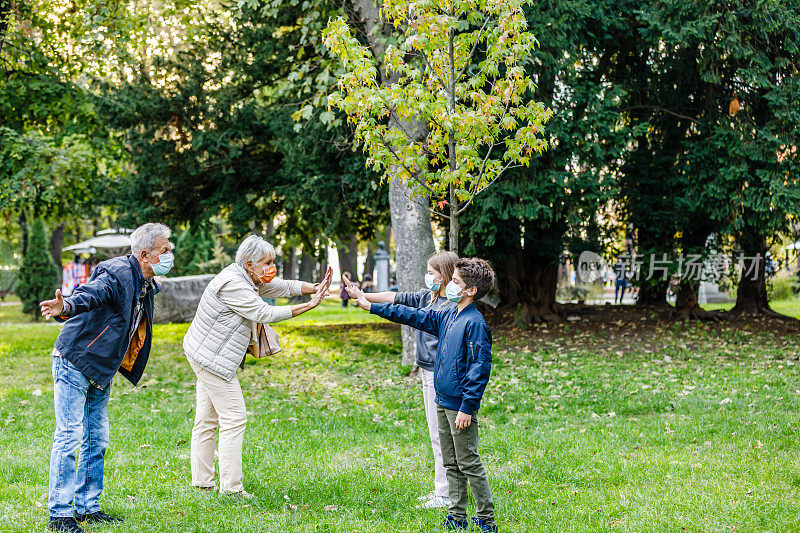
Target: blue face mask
(453, 292)
(431, 283)
(164, 265)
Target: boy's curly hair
(476, 273)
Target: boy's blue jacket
(464, 356)
(95, 337)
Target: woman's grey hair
(254, 249)
(144, 237)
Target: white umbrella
(795, 246)
(101, 241)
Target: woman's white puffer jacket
(225, 322)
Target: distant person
(222, 331)
(797, 283)
(621, 281)
(769, 266)
(393, 286)
(108, 328)
(368, 286)
(343, 293)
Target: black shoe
(64, 524)
(97, 517)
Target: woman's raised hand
(326, 280)
(318, 296)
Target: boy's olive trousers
(463, 464)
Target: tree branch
(662, 109)
(472, 51)
(432, 211)
(430, 67)
(413, 174)
(499, 175)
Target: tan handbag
(267, 342)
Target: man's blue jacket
(464, 356)
(95, 337)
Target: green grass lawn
(597, 425)
(13, 313)
(789, 307)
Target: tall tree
(527, 221)
(56, 157)
(457, 69)
(724, 96)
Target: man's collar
(137, 268)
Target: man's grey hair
(254, 249)
(144, 237)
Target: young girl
(439, 274)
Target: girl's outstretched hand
(356, 294)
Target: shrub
(38, 277)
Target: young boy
(461, 372)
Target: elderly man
(108, 328)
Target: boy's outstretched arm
(424, 319)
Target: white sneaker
(426, 497)
(437, 502)
(238, 493)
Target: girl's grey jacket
(427, 344)
(224, 325)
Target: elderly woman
(221, 333)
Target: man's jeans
(81, 419)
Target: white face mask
(431, 283)
(453, 292)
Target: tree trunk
(347, 250)
(454, 222)
(369, 263)
(538, 289)
(307, 265)
(411, 222)
(322, 264)
(56, 243)
(687, 306)
(751, 295)
(78, 231)
(290, 263)
(653, 293)
(451, 144)
(413, 244)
